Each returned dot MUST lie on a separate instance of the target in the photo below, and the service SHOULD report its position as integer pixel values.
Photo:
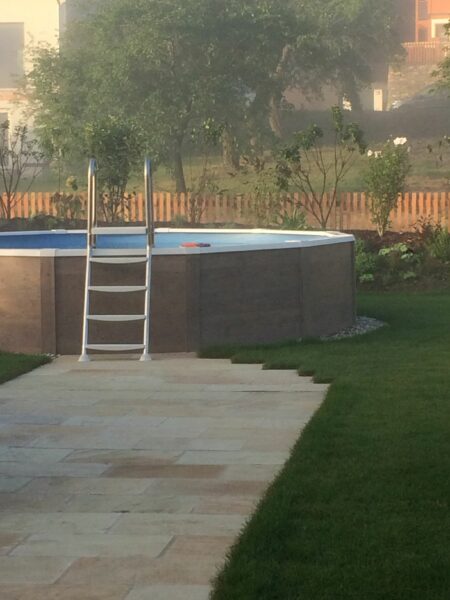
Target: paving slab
(35, 569)
(93, 544)
(170, 592)
(122, 480)
(65, 592)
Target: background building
(421, 27)
(423, 53)
(406, 10)
(22, 23)
(431, 18)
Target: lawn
(427, 174)
(361, 510)
(13, 365)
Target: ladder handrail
(91, 200)
(149, 202)
(92, 232)
(91, 216)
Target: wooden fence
(425, 53)
(352, 212)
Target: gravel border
(362, 326)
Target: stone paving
(123, 480)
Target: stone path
(129, 481)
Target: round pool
(244, 287)
(164, 239)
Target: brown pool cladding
(198, 299)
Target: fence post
(340, 213)
(47, 201)
(25, 198)
(156, 208)
(399, 212)
(446, 216)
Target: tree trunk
(230, 154)
(351, 92)
(9, 202)
(276, 98)
(178, 170)
(275, 117)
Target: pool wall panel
(328, 289)
(26, 291)
(48, 305)
(250, 297)
(198, 300)
(171, 289)
(69, 294)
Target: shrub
(398, 263)
(42, 221)
(20, 163)
(69, 204)
(389, 266)
(385, 180)
(366, 263)
(438, 244)
(293, 220)
(266, 204)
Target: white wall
(41, 24)
(41, 18)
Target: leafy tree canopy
(166, 66)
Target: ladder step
(119, 230)
(118, 252)
(120, 260)
(117, 288)
(115, 347)
(118, 318)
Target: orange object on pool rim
(195, 245)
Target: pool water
(173, 239)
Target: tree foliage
(117, 145)
(156, 62)
(169, 66)
(361, 36)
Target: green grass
(361, 510)
(13, 365)
(427, 174)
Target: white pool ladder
(97, 255)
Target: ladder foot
(84, 358)
(145, 358)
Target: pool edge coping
(328, 238)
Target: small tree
(386, 179)
(266, 199)
(20, 163)
(207, 135)
(307, 165)
(116, 144)
(272, 209)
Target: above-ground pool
(164, 239)
(245, 287)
